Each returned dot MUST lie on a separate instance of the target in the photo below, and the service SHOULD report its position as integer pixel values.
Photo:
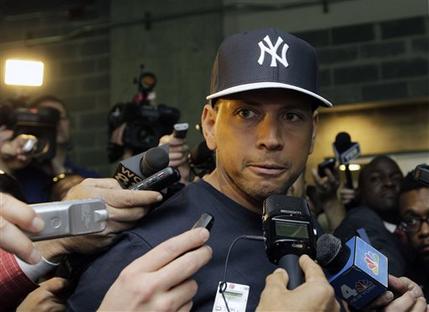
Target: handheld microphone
(180, 130)
(135, 169)
(159, 180)
(345, 151)
(69, 218)
(289, 233)
(356, 270)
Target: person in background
(37, 178)
(326, 189)
(414, 210)
(377, 217)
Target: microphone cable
(223, 284)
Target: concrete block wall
(77, 71)
(373, 61)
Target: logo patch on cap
(267, 46)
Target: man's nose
(269, 134)
(388, 181)
(424, 230)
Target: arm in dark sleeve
(102, 273)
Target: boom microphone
(356, 270)
(134, 169)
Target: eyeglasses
(414, 223)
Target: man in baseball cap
(260, 120)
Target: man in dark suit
(414, 209)
(377, 216)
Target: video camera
(145, 123)
(38, 123)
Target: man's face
(414, 205)
(63, 130)
(262, 139)
(381, 183)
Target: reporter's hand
(125, 208)
(5, 135)
(178, 155)
(14, 217)
(316, 294)
(328, 185)
(409, 297)
(160, 280)
(45, 297)
(346, 195)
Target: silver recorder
(70, 218)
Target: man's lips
(271, 169)
(389, 194)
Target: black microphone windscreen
(154, 160)
(342, 141)
(331, 253)
(328, 247)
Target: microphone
(154, 160)
(356, 270)
(289, 233)
(135, 169)
(345, 151)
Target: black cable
(223, 284)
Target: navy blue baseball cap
(265, 58)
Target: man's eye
(246, 113)
(374, 179)
(293, 117)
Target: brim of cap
(267, 85)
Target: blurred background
(374, 63)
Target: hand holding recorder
(124, 209)
(161, 279)
(315, 294)
(15, 217)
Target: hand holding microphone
(289, 233)
(178, 150)
(161, 279)
(315, 294)
(358, 273)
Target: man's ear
(313, 135)
(208, 121)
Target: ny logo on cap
(272, 50)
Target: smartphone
(327, 164)
(206, 220)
